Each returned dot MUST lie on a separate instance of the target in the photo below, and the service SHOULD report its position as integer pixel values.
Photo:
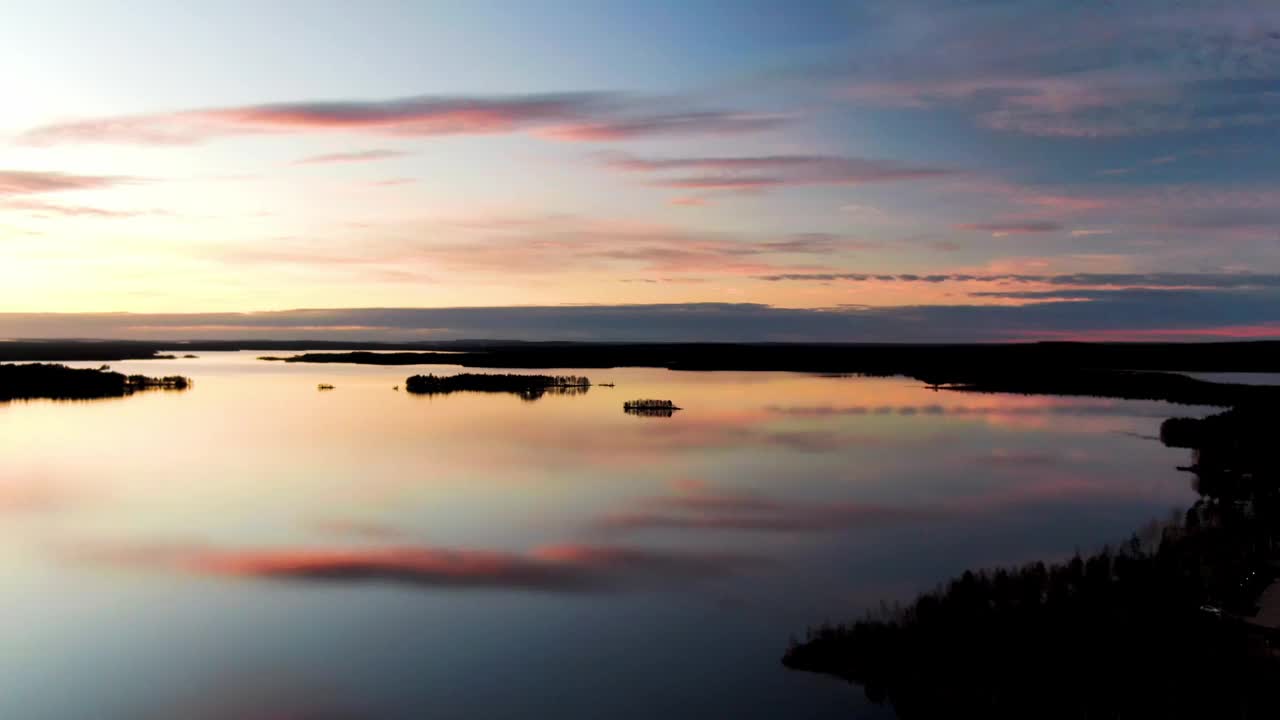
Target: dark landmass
(1135, 372)
(58, 382)
(370, 358)
(649, 405)
(1161, 628)
(913, 360)
(528, 387)
(73, 350)
(1122, 384)
(66, 350)
(875, 359)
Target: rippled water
(255, 548)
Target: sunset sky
(879, 170)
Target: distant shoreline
(1136, 371)
(1042, 369)
(1243, 356)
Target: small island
(528, 387)
(59, 382)
(650, 408)
(134, 383)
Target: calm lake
(256, 548)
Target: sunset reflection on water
(371, 552)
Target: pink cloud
(717, 182)
(1066, 203)
(533, 244)
(423, 116)
(25, 182)
(37, 207)
(1103, 103)
(1136, 214)
(351, 157)
(1017, 227)
(567, 116)
(691, 123)
(753, 173)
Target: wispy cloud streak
(580, 116)
(351, 157)
(767, 171)
(1120, 280)
(1003, 229)
(27, 182)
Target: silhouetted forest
(1124, 384)
(529, 387)
(650, 408)
(649, 405)
(60, 382)
(1101, 370)
(168, 382)
(1158, 627)
(956, 361)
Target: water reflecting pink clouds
(394, 553)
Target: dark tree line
(168, 382)
(649, 405)
(650, 408)
(1048, 358)
(60, 382)
(1148, 629)
(529, 387)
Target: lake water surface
(256, 548)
